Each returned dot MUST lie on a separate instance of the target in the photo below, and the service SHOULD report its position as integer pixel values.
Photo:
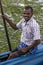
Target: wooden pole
(6, 31)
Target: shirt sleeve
(36, 32)
(18, 25)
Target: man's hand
(5, 17)
(10, 22)
(23, 50)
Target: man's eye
(25, 13)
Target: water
(40, 0)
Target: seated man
(30, 37)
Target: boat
(28, 59)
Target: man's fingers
(5, 16)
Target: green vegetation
(14, 9)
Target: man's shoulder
(22, 20)
(34, 23)
(34, 20)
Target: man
(30, 37)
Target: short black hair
(29, 7)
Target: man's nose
(25, 15)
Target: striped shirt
(30, 30)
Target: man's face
(27, 14)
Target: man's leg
(16, 54)
(13, 55)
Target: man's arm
(36, 43)
(10, 22)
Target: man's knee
(14, 54)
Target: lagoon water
(41, 0)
